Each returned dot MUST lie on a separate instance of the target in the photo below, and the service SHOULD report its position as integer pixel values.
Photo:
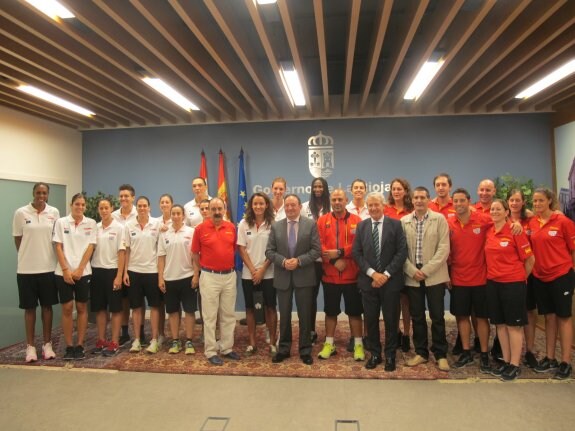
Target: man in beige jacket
(426, 277)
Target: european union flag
(242, 203)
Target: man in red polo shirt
(213, 251)
(469, 276)
(486, 192)
(442, 202)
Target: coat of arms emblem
(320, 155)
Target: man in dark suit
(380, 251)
(293, 247)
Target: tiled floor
(61, 399)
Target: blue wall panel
(165, 159)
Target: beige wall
(33, 149)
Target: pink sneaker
(47, 352)
(31, 355)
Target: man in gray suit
(293, 247)
(380, 250)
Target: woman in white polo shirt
(175, 278)
(74, 239)
(32, 230)
(257, 274)
(166, 202)
(279, 186)
(141, 271)
(106, 285)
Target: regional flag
(222, 188)
(203, 168)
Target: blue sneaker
(232, 355)
(216, 360)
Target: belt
(215, 271)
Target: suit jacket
(308, 249)
(392, 257)
(435, 249)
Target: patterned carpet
(341, 365)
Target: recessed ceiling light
(52, 8)
(41, 94)
(547, 81)
(292, 83)
(422, 79)
(171, 94)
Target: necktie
(291, 239)
(376, 246)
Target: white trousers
(219, 293)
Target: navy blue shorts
(506, 303)
(34, 288)
(555, 297)
(102, 294)
(332, 294)
(143, 285)
(180, 292)
(79, 291)
(266, 286)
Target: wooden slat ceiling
(356, 58)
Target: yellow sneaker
(189, 348)
(153, 347)
(358, 352)
(176, 347)
(327, 351)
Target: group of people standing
(499, 260)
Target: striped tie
(376, 246)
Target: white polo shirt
(176, 246)
(143, 245)
(193, 214)
(75, 239)
(255, 241)
(280, 214)
(109, 241)
(36, 254)
(363, 213)
(164, 224)
(117, 215)
(306, 211)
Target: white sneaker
(31, 355)
(153, 347)
(161, 340)
(136, 346)
(47, 351)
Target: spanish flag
(222, 188)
